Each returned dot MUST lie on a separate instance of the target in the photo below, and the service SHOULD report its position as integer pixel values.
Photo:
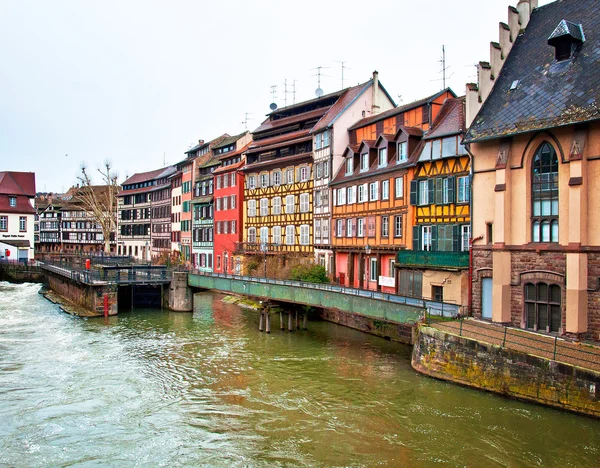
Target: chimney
(200, 142)
(375, 104)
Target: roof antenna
(247, 119)
(444, 68)
(273, 106)
(319, 90)
(165, 159)
(294, 91)
(344, 67)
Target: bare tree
(101, 200)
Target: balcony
(433, 259)
(257, 248)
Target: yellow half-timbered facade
(440, 200)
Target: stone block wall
(506, 372)
(88, 297)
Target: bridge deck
(119, 275)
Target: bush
(310, 273)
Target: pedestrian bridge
(372, 304)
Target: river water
(154, 388)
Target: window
(326, 169)
(445, 238)
(402, 154)
(399, 187)
(341, 197)
(277, 178)
(385, 226)
(391, 272)
(290, 201)
(319, 171)
(289, 235)
(325, 230)
(542, 307)
(252, 234)
(463, 192)
(277, 235)
(218, 227)
(373, 269)
(339, 228)
(225, 227)
(382, 157)
(364, 162)
(264, 180)
(362, 193)
(289, 176)
(304, 173)
(276, 205)
(437, 293)
(449, 147)
(304, 203)
(371, 226)
(4, 223)
(251, 182)
(317, 234)
(360, 229)
(398, 226)
(425, 189)
(385, 189)
(22, 223)
(232, 201)
(264, 206)
(251, 208)
(225, 201)
(465, 236)
(232, 184)
(12, 201)
(544, 194)
(444, 190)
(225, 181)
(233, 226)
(373, 191)
(304, 234)
(264, 235)
(349, 165)
(351, 195)
(426, 238)
(411, 283)
(349, 224)
(326, 136)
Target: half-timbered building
(437, 266)
(370, 194)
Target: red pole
(106, 305)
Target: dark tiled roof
(229, 140)
(293, 119)
(398, 110)
(231, 167)
(280, 140)
(340, 105)
(450, 120)
(146, 176)
(548, 93)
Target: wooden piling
(304, 320)
(268, 320)
(281, 324)
(297, 321)
(290, 328)
(260, 322)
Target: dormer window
(565, 39)
(364, 162)
(382, 157)
(349, 165)
(12, 201)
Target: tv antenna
(344, 67)
(319, 90)
(164, 159)
(294, 91)
(273, 106)
(444, 67)
(247, 119)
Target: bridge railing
(126, 274)
(435, 308)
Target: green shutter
(430, 187)
(416, 238)
(456, 241)
(451, 189)
(434, 238)
(438, 191)
(413, 192)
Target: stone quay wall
(507, 372)
(86, 296)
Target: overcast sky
(140, 81)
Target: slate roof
(144, 176)
(549, 93)
(450, 120)
(229, 140)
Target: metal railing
(117, 274)
(550, 347)
(443, 309)
(433, 259)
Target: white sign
(387, 281)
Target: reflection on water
(170, 389)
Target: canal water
(154, 388)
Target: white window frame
(251, 182)
(264, 235)
(385, 189)
(423, 194)
(304, 173)
(402, 152)
(277, 178)
(398, 226)
(465, 236)
(277, 235)
(251, 208)
(264, 180)
(290, 202)
(290, 235)
(252, 234)
(374, 191)
(462, 184)
(276, 202)
(304, 234)
(264, 207)
(349, 166)
(372, 268)
(304, 203)
(364, 162)
(360, 227)
(382, 157)
(426, 238)
(349, 227)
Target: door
(486, 298)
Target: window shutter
(413, 192)
(438, 191)
(451, 189)
(377, 190)
(354, 227)
(334, 197)
(434, 238)
(456, 241)
(416, 238)
(430, 191)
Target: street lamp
(367, 249)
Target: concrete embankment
(506, 371)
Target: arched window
(544, 195)
(542, 307)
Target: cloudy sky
(140, 81)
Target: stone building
(535, 144)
